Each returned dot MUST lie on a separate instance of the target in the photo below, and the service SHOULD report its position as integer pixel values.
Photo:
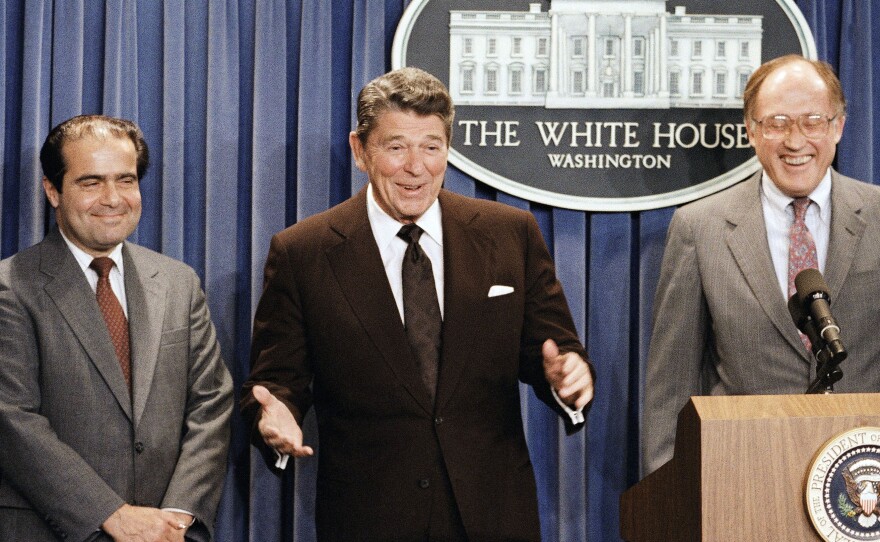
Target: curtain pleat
(569, 232)
(150, 96)
(314, 174)
(858, 156)
(222, 164)
(608, 332)
(247, 108)
(67, 60)
(173, 129)
(36, 77)
(3, 133)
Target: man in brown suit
(406, 456)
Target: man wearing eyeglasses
(721, 323)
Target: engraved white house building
(599, 54)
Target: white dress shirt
(779, 216)
(392, 248)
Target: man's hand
(278, 427)
(569, 375)
(141, 524)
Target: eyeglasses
(812, 125)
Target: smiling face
(794, 163)
(100, 202)
(405, 158)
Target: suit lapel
(70, 291)
(468, 255)
(146, 296)
(358, 268)
(847, 228)
(748, 242)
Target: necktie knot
(800, 208)
(102, 266)
(411, 234)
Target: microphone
(815, 300)
(827, 370)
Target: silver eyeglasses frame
(815, 131)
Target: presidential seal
(842, 487)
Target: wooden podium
(739, 468)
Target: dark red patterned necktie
(801, 249)
(114, 316)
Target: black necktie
(114, 317)
(421, 310)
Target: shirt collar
(385, 228)
(84, 259)
(821, 195)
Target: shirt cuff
(577, 416)
(281, 460)
(182, 511)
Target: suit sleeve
(201, 467)
(546, 316)
(70, 496)
(678, 342)
(279, 354)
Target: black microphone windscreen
(809, 282)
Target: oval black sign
(602, 105)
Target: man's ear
(837, 126)
(52, 193)
(357, 150)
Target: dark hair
(100, 126)
(405, 89)
(825, 71)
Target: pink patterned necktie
(114, 316)
(801, 249)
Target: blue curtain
(247, 105)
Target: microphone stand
(827, 368)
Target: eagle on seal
(862, 492)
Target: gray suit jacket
(75, 444)
(721, 324)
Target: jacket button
(438, 420)
(424, 483)
(139, 447)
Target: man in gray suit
(721, 324)
(105, 436)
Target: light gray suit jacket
(74, 445)
(721, 323)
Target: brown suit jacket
(328, 318)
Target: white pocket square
(499, 289)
